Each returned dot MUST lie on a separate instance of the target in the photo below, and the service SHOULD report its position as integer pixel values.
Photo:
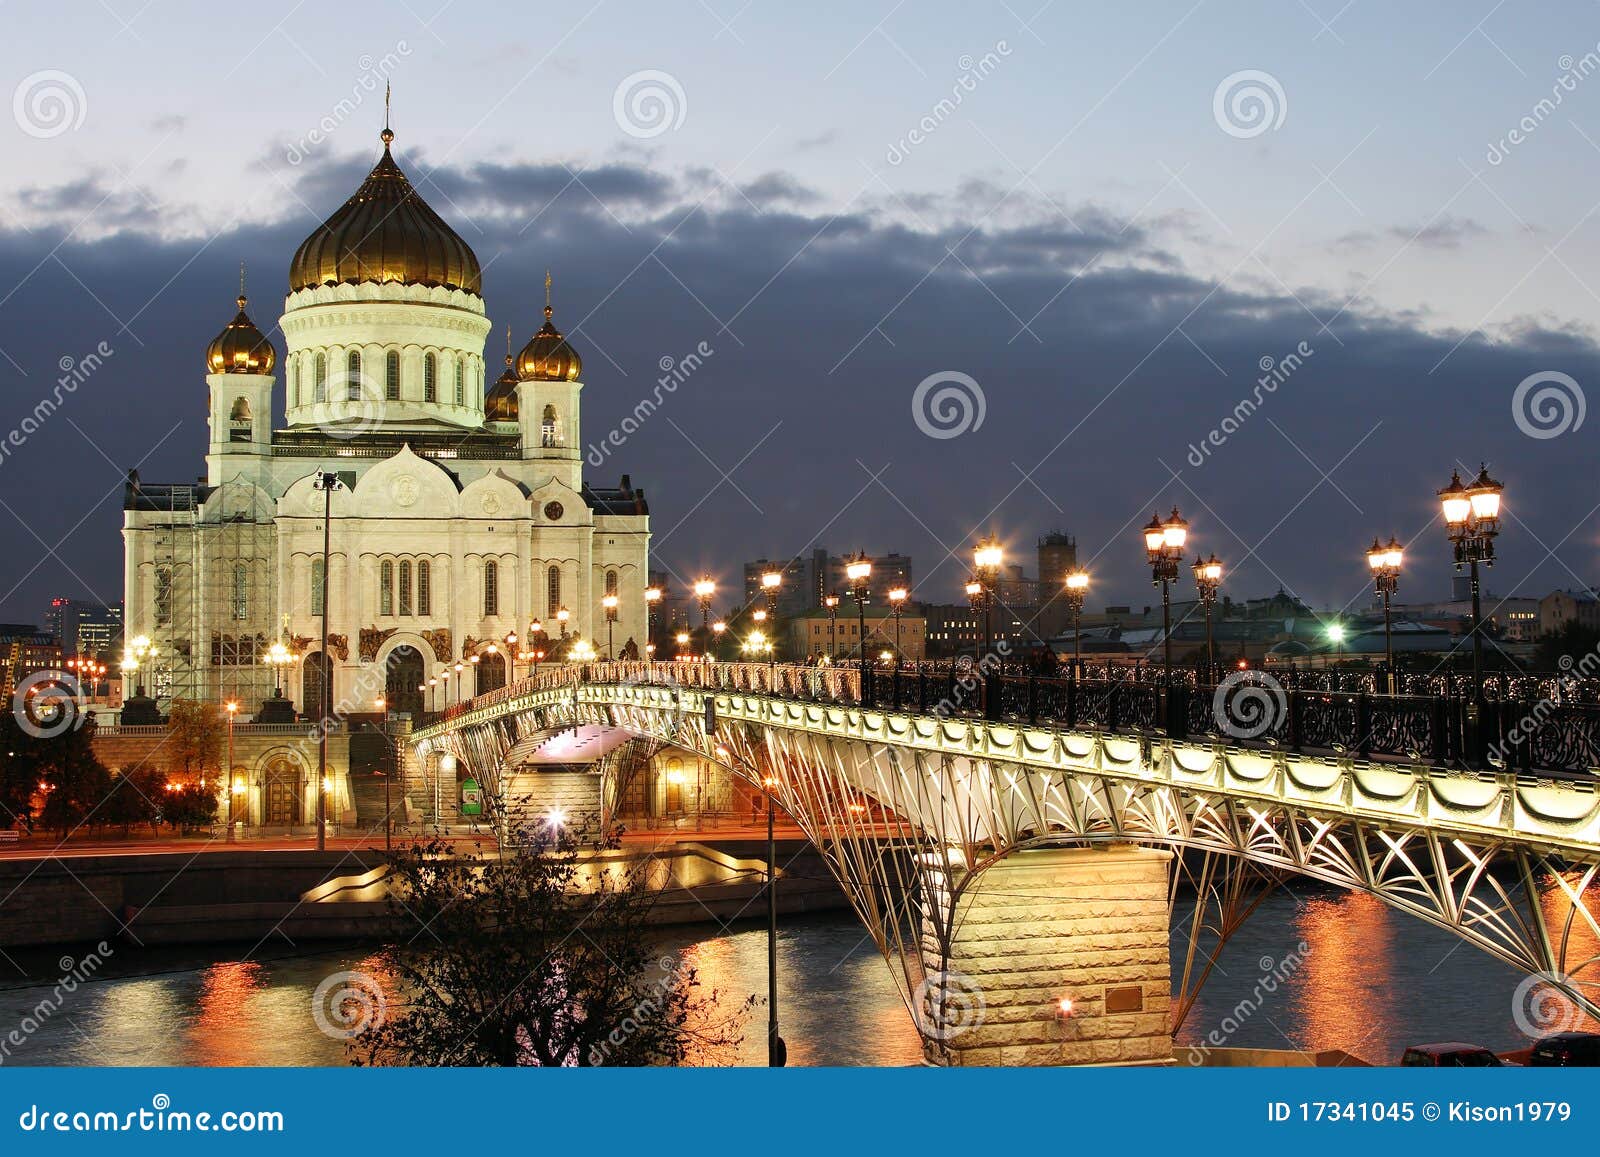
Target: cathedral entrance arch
(403, 674)
(282, 792)
(491, 672)
(313, 672)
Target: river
(1369, 980)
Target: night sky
(1093, 232)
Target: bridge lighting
(704, 588)
(1163, 547)
(1384, 560)
(1064, 1008)
(1207, 579)
(555, 818)
(770, 582)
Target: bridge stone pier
(1005, 865)
(1046, 925)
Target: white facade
(456, 531)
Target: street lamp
(1077, 584)
(1163, 545)
(859, 570)
(1472, 518)
(610, 605)
(683, 644)
(1384, 562)
(652, 596)
(388, 776)
(717, 630)
(897, 604)
(326, 481)
(1336, 637)
(1207, 578)
(832, 603)
(562, 615)
(759, 645)
(233, 710)
(704, 588)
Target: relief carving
(371, 638)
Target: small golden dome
(385, 233)
(500, 403)
(241, 348)
(547, 357)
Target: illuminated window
(352, 373)
(461, 382)
(552, 588)
(550, 428)
(391, 375)
(241, 591)
(386, 588)
(320, 385)
(491, 588)
(318, 585)
(405, 588)
(430, 378)
(611, 582)
(424, 587)
(294, 380)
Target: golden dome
(241, 348)
(385, 233)
(547, 357)
(500, 403)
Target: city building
(87, 629)
(1558, 608)
(461, 514)
(24, 649)
(809, 578)
(814, 635)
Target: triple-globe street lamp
(1384, 561)
(1472, 519)
(1207, 579)
(1163, 546)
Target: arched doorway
(281, 793)
(313, 671)
(403, 674)
(491, 672)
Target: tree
(1571, 642)
(134, 797)
(533, 958)
(195, 735)
(60, 768)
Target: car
(1566, 1048)
(1449, 1055)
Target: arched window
(294, 380)
(424, 587)
(405, 588)
(491, 588)
(611, 582)
(320, 383)
(550, 428)
(163, 598)
(352, 372)
(386, 588)
(241, 591)
(552, 590)
(491, 673)
(240, 411)
(430, 378)
(391, 375)
(461, 382)
(318, 585)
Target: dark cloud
(1101, 358)
(1440, 233)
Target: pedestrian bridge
(1013, 843)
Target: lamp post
(683, 644)
(652, 596)
(610, 605)
(233, 710)
(1207, 578)
(832, 603)
(1384, 561)
(760, 646)
(897, 604)
(562, 615)
(859, 571)
(1077, 584)
(1336, 637)
(327, 482)
(1472, 518)
(987, 559)
(388, 775)
(718, 628)
(1163, 545)
(704, 588)
(771, 583)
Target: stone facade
(1087, 925)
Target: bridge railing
(1530, 725)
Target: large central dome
(385, 233)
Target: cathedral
(463, 539)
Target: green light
(1336, 633)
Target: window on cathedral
(386, 588)
(461, 382)
(241, 591)
(294, 380)
(405, 588)
(163, 600)
(491, 588)
(424, 587)
(430, 378)
(320, 383)
(552, 590)
(352, 373)
(550, 428)
(611, 582)
(318, 585)
(391, 375)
